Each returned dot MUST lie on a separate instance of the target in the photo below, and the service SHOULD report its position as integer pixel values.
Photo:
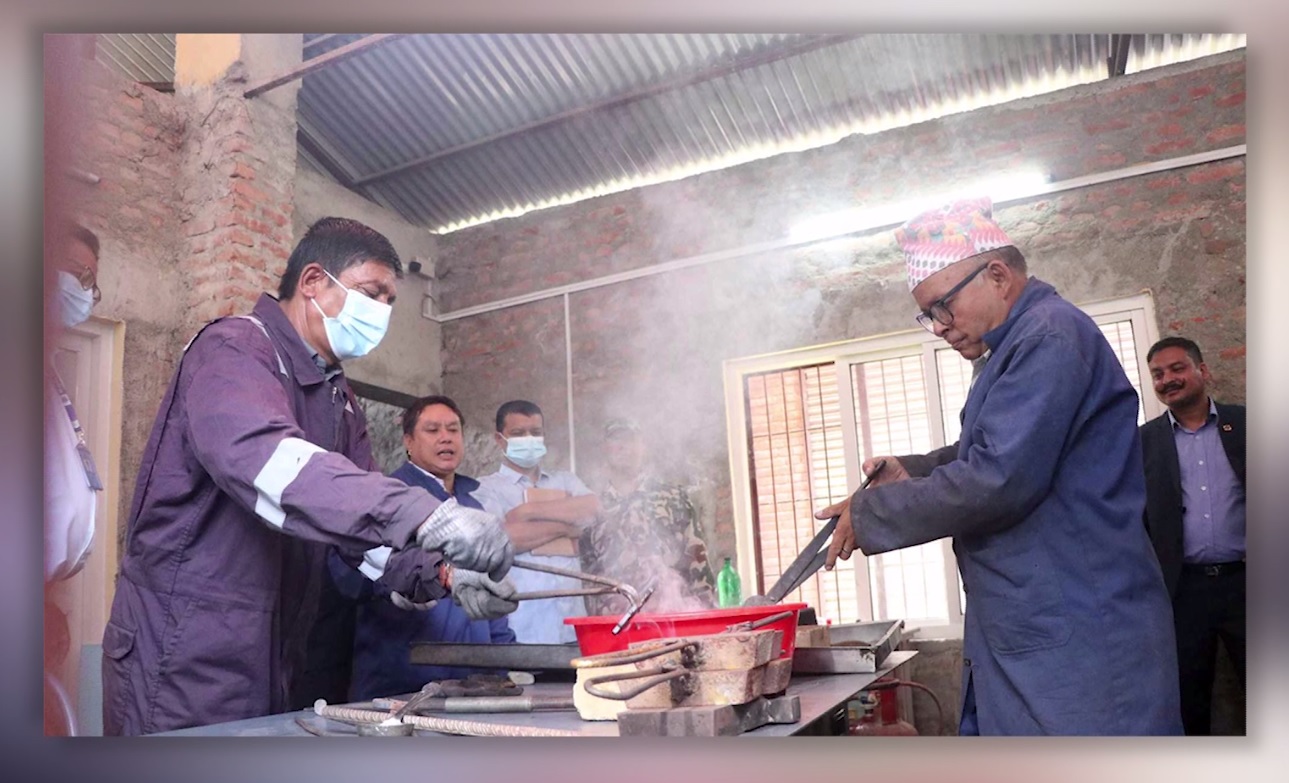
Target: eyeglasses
(939, 310)
(88, 280)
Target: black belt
(1213, 569)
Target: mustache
(1172, 387)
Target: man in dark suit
(1194, 458)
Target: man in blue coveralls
(1068, 627)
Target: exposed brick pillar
(237, 169)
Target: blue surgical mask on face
(526, 450)
(74, 302)
(358, 327)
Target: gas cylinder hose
(884, 685)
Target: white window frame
(1139, 309)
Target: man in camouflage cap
(649, 533)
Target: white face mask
(358, 327)
(525, 451)
(74, 302)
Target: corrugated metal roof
(1156, 50)
(453, 130)
(143, 57)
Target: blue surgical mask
(74, 302)
(526, 450)
(358, 327)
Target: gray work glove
(481, 597)
(469, 538)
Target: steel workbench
(822, 697)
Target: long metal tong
(811, 558)
(608, 586)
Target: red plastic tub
(595, 634)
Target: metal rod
(636, 605)
(428, 691)
(655, 676)
(622, 588)
(753, 625)
(619, 657)
(528, 565)
(538, 595)
(322, 61)
(320, 39)
(685, 80)
(496, 704)
(466, 728)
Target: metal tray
(519, 657)
(856, 648)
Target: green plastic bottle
(728, 590)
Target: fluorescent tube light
(1008, 187)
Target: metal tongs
(636, 599)
(811, 558)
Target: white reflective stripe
(280, 365)
(374, 560)
(288, 459)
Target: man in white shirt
(543, 525)
(72, 481)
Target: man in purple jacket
(258, 460)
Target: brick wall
(509, 354)
(238, 174)
(1077, 131)
(193, 212)
(653, 347)
(131, 139)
